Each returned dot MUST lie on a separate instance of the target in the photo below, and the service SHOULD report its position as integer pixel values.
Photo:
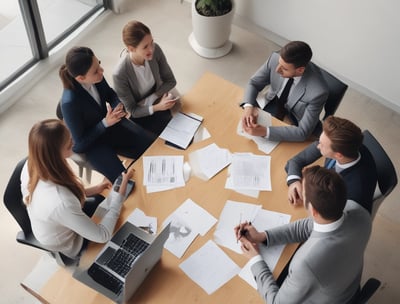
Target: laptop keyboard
(106, 279)
(122, 260)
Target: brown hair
(297, 53)
(45, 160)
(77, 62)
(325, 190)
(345, 136)
(134, 32)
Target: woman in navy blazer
(96, 117)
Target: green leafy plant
(213, 7)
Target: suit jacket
(360, 179)
(305, 101)
(83, 115)
(125, 81)
(326, 268)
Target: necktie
(283, 99)
(330, 164)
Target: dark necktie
(283, 99)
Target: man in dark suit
(297, 94)
(341, 144)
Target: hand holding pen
(247, 231)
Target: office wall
(357, 40)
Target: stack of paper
(163, 172)
(208, 161)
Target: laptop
(124, 262)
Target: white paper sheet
(141, 220)
(251, 172)
(265, 220)
(209, 267)
(233, 214)
(208, 161)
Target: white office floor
(170, 23)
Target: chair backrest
(387, 177)
(13, 199)
(337, 89)
(367, 291)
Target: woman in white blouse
(55, 196)
(144, 81)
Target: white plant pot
(210, 36)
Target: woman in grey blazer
(143, 80)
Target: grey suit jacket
(327, 267)
(125, 81)
(305, 101)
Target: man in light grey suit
(327, 267)
(301, 107)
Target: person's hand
(295, 196)
(113, 116)
(126, 176)
(167, 102)
(248, 231)
(249, 117)
(249, 249)
(105, 184)
(256, 130)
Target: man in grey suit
(327, 267)
(300, 103)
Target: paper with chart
(181, 129)
(187, 221)
(209, 267)
(163, 172)
(208, 161)
(265, 220)
(232, 214)
(263, 144)
(251, 171)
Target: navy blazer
(360, 179)
(83, 115)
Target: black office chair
(367, 291)
(387, 178)
(15, 205)
(337, 89)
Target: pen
(240, 221)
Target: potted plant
(211, 21)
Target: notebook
(124, 262)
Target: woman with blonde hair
(55, 197)
(143, 79)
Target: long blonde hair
(47, 139)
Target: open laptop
(124, 262)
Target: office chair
(336, 92)
(387, 178)
(367, 291)
(78, 158)
(15, 205)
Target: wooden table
(217, 101)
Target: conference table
(217, 101)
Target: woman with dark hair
(96, 117)
(143, 79)
(55, 197)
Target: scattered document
(233, 214)
(208, 161)
(181, 129)
(163, 172)
(187, 221)
(229, 185)
(264, 145)
(265, 220)
(251, 171)
(209, 267)
(141, 220)
(181, 235)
